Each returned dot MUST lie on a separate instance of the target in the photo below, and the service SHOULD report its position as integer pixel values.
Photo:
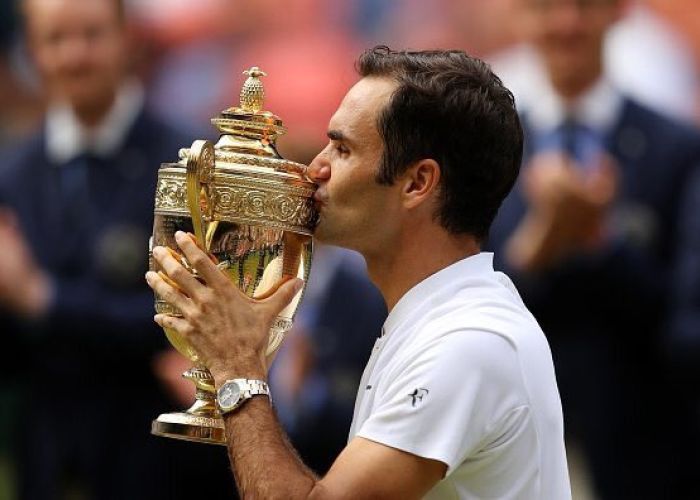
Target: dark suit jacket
(683, 332)
(623, 290)
(100, 320)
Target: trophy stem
(201, 422)
(205, 393)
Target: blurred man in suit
(591, 235)
(76, 205)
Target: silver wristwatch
(233, 393)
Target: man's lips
(318, 206)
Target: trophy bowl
(253, 212)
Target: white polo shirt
(463, 374)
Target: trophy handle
(200, 167)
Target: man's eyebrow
(336, 135)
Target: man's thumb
(283, 296)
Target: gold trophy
(250, 209)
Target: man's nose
(319, 170)
(74, 50)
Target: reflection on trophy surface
(253, 212)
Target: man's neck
(571, 87)
(417, 256)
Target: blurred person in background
(591, 235)
(76, 205)
(648, 57)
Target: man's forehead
(37, 10)
(374, 89)
(363, 102)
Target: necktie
(570, 132)
(581, 143)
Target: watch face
(229, 394)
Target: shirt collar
(67, 137)
(444, 280)
(597, 108)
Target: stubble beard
(330, 231)
(322, 233)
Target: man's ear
(420, 182)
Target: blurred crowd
(601, 234)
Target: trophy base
(188, 427)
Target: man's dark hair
(452, 108)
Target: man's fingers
(170, 282)
(602, 181)
(284, 295)
(167, 292)
(177, 272)
(180, 325)
(199, 259)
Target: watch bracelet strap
(257, 387)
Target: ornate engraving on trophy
(281, 208)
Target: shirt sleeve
(447, 399)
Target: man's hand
(24, 287)
(576, 199)
(228, 329)
(567, 210)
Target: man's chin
(321, 233)
(325, 232)
(89, 100)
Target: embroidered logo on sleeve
(417, 396)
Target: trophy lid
(248, 119)
(243, 178)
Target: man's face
(79, 48)
(355, 211)
(569, 34)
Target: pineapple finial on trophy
(253, 93)
(247, 127)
